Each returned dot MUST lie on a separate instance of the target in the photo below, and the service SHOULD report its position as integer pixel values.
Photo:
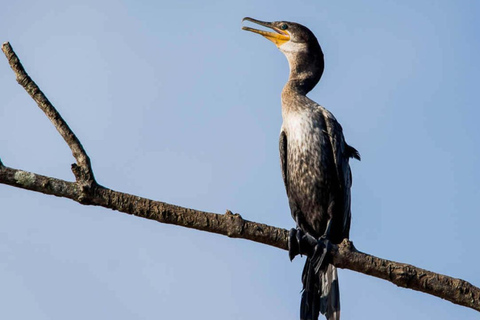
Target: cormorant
(314, 159)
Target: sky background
(174, 102)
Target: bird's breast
(308, 144)
(305, 132)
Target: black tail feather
(321, 293)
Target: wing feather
(341, 153)
(283, 158)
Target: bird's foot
(320, 257)
(293, 243)
(300, 243)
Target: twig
(83, 169)
(232, 225)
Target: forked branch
(83, 169)
(86, 191)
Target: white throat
(291, 50)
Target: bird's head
(288, 36)
(299, 45)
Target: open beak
(279, 37)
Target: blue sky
(173, 101)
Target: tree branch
(87, 192)
(82, 170)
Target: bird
(314, 159)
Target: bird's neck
(306, 68)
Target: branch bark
(82, 169)
(86, 191)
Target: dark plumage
(314, 159)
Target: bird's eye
(284, 27)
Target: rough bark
(86, 191)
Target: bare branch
(232, 225)
(228, 224)
(404, 275)
(83, 169)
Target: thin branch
(232, 225)
(405, 275)
(228, 224)
(83, 169)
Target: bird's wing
(341, 153)
(339, 147)
(283, 157)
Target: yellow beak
(279, 37)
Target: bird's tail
(321, 293)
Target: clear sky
(173, 101)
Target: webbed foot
(301, 243)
